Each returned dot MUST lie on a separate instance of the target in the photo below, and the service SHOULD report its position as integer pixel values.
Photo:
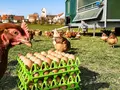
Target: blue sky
(25, 7)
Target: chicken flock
(12, 34)
(66, 34)
(109, 37)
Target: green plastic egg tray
(30, 79)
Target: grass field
(100, 64)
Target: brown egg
(74, 75)
(72, 68)
(50, 56)
(56, 59)
(49, 51)
(63, 69)
(65, 59)
(38, 61)
(32, 58)
(55, 89)
(66, 77)
(30, 85)
(59, 56)
(67, 55)
(58, 79)
(21, 57)
(48, 60)
(56, 51)
(53, 58)
(28, 62)
(71, 57)
(44, 53)
(55, 71)
(53, 53)
(28, 55)
(49, 81)
(36, 75)
(72, 85)
(40, 82)
(62, 53)
(63, 87)
(38, 55)
(46, 72)
(42, 57)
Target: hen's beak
(25, 41)
(28, 44)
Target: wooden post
(94, 28)
(78, 28)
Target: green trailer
(70, 10)
(95, 13)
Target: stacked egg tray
(59, 74)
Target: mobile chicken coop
(95, 13)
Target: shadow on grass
(91, 34)
(72, 51)
(13, 63)
(88, 80)
(8, 82)
(117, 46)
(75, 38)
(96, 34)
(37, 40)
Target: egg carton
(41, 72)
(35, 73)
(68, 84)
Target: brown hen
(60, 43)
(11, 35)
(112, 39)
(104, 37)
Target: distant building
(18, 19)
(11, 18)
(43, 12)
(33, 17)
(5, 18)
(50, 16)
(55, 18)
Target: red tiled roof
(18, 17)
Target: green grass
(44, 27)
(100, 64)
